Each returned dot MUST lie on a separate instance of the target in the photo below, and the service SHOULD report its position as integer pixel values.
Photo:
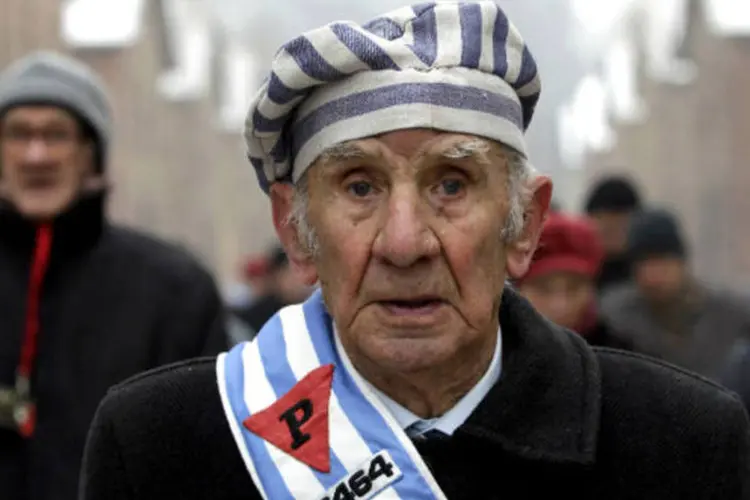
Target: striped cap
(453, 66)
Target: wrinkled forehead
(415, 147)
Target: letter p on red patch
(297, 423)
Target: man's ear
(299, 256)
(520, 252)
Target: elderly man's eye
(360, 189)
(452, 187)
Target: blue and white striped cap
(452, 66)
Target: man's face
(411, 260)
(660, 278)
(562, 297)
(44, 159)
(613, 230)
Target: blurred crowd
(620, 275)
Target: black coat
(113, 303)
(564, 421)
(736, 375)
(602, 335)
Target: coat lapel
(546, 404)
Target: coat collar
(546, 405)
(75, 231)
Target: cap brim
(561, 263)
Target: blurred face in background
(613, 230)
(259, 284)
(44, 158)
(256, 276)
(289, 286)
(563, 297)
(660, 278)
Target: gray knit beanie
(58, 80)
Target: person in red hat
(561, 280)
(256, 273)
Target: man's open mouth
(421, 305)
(40, 178)
(40, 182)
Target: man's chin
(40, 208)
(403, 344)
(410, 354)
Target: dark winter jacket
(736, 373)
(696, 332)
(602, 335)
(564, 421)
(112, 303)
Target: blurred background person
(237, 294)
(238, 330)
(611, 204)
(253, 285)
(277, 286)
(736, 373)
(256, 274)
(665, 311)
(561, 281)
(249, 284)
(84, 303)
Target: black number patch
(371, 478)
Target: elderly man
(394, 157)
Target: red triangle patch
(298, 422)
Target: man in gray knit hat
(83, 304)
(66, 103)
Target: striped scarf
(306, 425)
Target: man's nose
(36, 151)
(405, 237)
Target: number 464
(361, 482)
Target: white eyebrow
(341, 152)
(474, 148)
(477, 149)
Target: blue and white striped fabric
(253, 375)
(452, 66)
